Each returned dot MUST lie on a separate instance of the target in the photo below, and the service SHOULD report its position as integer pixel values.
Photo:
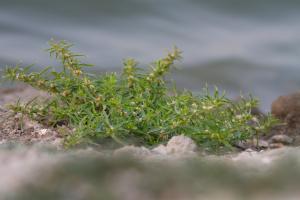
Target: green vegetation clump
(136, 105)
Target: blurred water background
(238, 45)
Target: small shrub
(135, 104)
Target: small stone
(43, 131)
(263, 144)
(250, 151)
(276, 145)
(181, 145)
(284, 139)
(242, 145)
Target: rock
(261, 144)
(250, 151)
(180, 145)
(287, 108)
(276, 145)
(43, 132)
(242, 145)
(177, 145)
(258, 159)
(284, 139)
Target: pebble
(262, 144)
(284, 139)
(276, 145)
(181, 145)
(177, 146)
(43, 131)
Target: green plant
(135, 104)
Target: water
(248, 46)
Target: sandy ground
(19, 128)
(43, 170)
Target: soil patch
(19, 128)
